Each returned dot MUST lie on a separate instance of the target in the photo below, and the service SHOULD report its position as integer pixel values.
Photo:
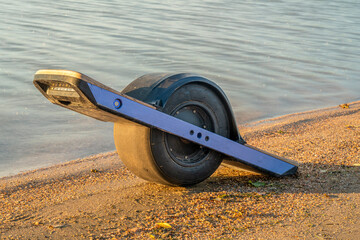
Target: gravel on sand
(98, 198)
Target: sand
(98, 198)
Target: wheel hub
(185, 152)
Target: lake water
(270, 57)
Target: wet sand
(98, 198)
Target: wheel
(164, 158)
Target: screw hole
(117, 103)
(191, 132)
(207, 138)
(199, 135)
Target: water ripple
(270, 57)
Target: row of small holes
(199, 135)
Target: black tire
(181, 162)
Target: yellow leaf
(345, 105)
(223, 196)
(163, 225)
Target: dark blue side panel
(149, 116)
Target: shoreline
(64, 199)
(243, 129)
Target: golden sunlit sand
(98, 198)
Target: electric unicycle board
(173, 129)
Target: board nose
(70, 89)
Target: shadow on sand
(311, 178)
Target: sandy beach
(98, 198)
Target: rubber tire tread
(143, 149)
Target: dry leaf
(257, 184)
(163, 225)
(345, 105)
(223, 196)
(60, 226)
